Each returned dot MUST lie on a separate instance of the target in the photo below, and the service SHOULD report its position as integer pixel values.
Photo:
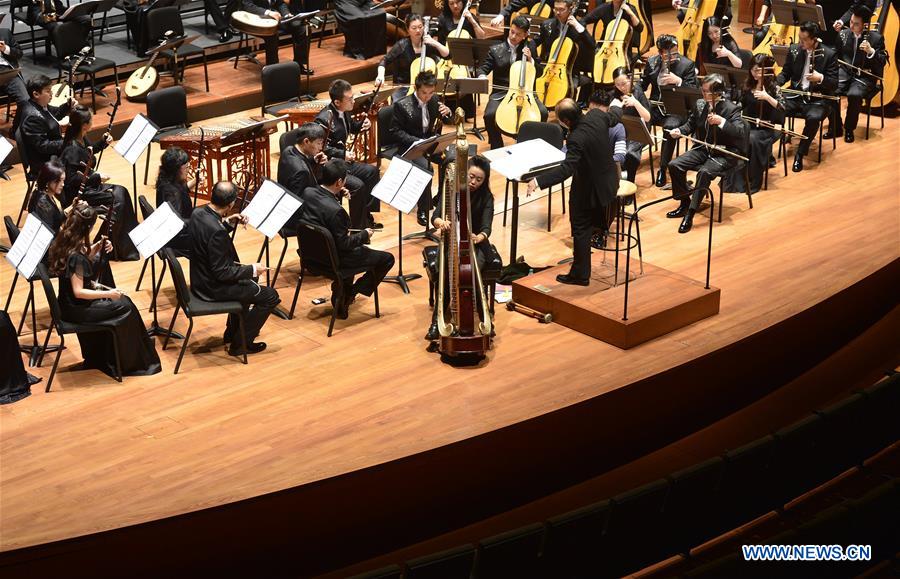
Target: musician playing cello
(564, 13)
(405, 51)
(607, 12)
(811, 67)
(498, 61)
(715, 120)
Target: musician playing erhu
(405, 51)
(278, 10)
(681, 72)
(863, 49)
(717, 46)
(635, 104)
(415, 118)
(716, 120)
(362, 177)
(810, 67)
(498, 61)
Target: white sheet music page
(157, 230)
(5, 147)
(136, 138)
(32, 243)
(515, 160)
(270, 208)
(402, 185)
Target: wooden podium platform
(659, 301)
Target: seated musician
(415, 118)
(299, 164)
(279, 9)
(357, 19)
(173, 186)
(46, 202)
(607, 12)
(844, 21)
(634, 103)
(15, 88)
(40, 125)
(866, 53)
(763, 20)
(75, 260)
(337, 117)
(682, 72)
(838, 14)
(823, 79)
(564, 13)
(767, 105)
(511, 10)
(481, 212)
(723, 10)
(322, 207)
(405, 51)
(451, 14)
(498, 61)
(715, 120)
(718, 47)
(216, 273)
(78, 156)
(46, 13)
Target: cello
(556, 82)
(646, 41)
(613, 52)
(445, 65)
(520, 102)
(888, 24)
(463, 323)
(690, 32)
(423, 62)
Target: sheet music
(156, 231)
(270, 208)
(516, 160)
(136, 138)
(419, 142)
(30, 246)
(5, 147)
(402, 185)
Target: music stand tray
(636, 130)
(469, 51)
(85, 8)
(794, 14)
(733, 76)
(361, 101)
(679, 100)
(172, 44)
(780, 53)
(8, 75)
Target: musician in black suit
(824, 80)
(322, 207)
(363, 26)
(46, 14)
(498, 61)
(279, 9)
(415, 118)
(595, 178)
(10, 54)
(682, 72)
(39, 125)
(607, 12)
(838, 13)
(336, 117)
(564, 13)
(864, 50)
(216, 273)
(714, 120)
(299, 163)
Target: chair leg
(377, 308)
(746, 186)
(331, 323)
(171, 326)
(93, 92)
(563, 185)
(205, 71)
(62, 344)
(296, 293)
(868, 116)
(115, 343)
(187, 337)
(243, 336)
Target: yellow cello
(556, 82)
(690, 32)
(520, 102)
(889, 27)
(613, 52)
(457, 70)
(423, 62)
(646, 31)
(543, 9)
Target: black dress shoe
(568, 279)
(226, 35)
(304, 69)
(359, 56)
(798, 164)
(773, 162)
(676, 213)
(254, 348)
(422, 218)
(829, 135)
(372, 224)
(686, 223)
(661, 178)
(848, 137)
(432, 333)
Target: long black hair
(79, 116)
(170, 165)
(763, 61)
(725, 39)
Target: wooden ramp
(659, 301)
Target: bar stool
(627, 193)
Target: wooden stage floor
(94, 454)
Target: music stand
(780, 53)
(636, 130)
(427, 148)
(785, 12)
(361, 101)
(463, 87)
(8, 75)
(173, 44)
(734, 77)
(679, 100)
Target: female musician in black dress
(717, 46)
(74, 259)
(767, 105)
(634, 103)
(406, 50)
(77, 151)
(449, 19)
(173, 185)
(46, 202)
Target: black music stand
(305, 18)
(514, 231)
(636, 130)
(679, 100)
(469, 52)
(780, 53)
(734, 77)
(794, 14)
(427, 148)
(173, 44)
(463, 87)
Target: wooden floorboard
(94, 454)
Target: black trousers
(372, 263)
(258, 302)
(17, 92)
(813, 113)
(361, 179)
(633, 152)
(707, 169)
(212, 6)
(856, 89)
(495, 137)
(668, 147)
(298, 37)
(583, 218)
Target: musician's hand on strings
(867, 48)
(366, 124)
(714, 120)
(526, 54)
(469, 16)
(444, 110)
(838, 25)
(497, 21)
(675, 133)
(762, 95)
(108, 138)
(628, 101)
(669, 78)
(441, 224)
(722, 52)
(320, 158)
(815, 77)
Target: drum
(254, 25)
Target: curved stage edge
(336, 522)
